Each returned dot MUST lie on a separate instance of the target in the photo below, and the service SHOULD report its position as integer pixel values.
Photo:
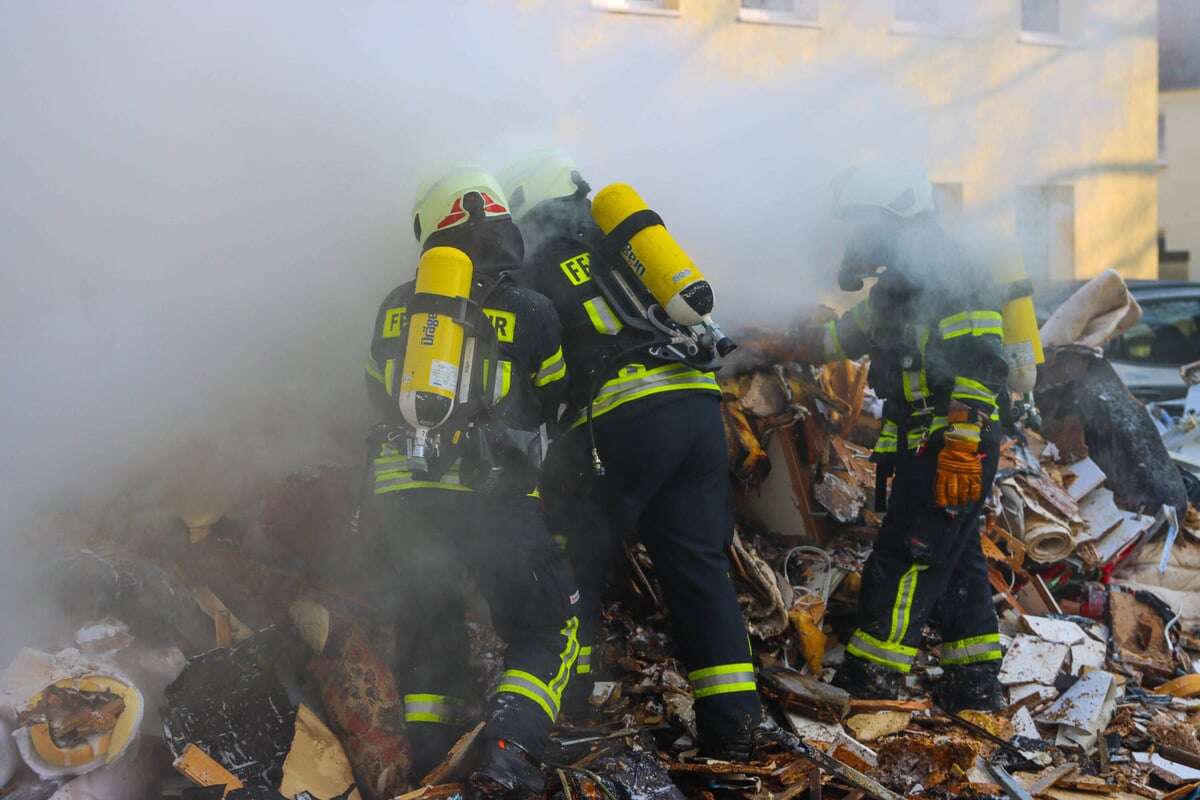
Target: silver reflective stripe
(880, 653)
(432, 708)
(625, 388)
(603, 318)
(950, 652)
(551, 370)
(735, 677)
(393, 481)
(583, 664)
(511, 679)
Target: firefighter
(931, 325)
(659, 435)
(471, 506)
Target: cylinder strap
(1018, 289)
(631, 226)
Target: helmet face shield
(540, 177)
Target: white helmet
(544, 175)
(440, 203)
(899, 188)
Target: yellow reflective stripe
(394, 480)
(583, 664)
(861, 315)
(552, 369)
(438, 708)
(389, 376)
(967, 431)
(967, 389)
(892, 656)
(906, 592)
(972, 650)
(515, 681)
(888, 441)
(373, 370)
(974, 323)
(833, 342)
(399, 486)
(916, 385)
(635, 381)
(603, 318)
(566, 658)
(722, 679)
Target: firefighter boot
(429, 744)
(866, 680)
(738, 744)
(504, 772)
(973, 686)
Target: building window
(1050, 22)
(919, 12)
(1162, 138)
(1046, 230)
(662, 8)
(920, 17)
(1042, 16)
(781, 12)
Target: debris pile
(243, 655)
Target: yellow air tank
(656, 258)
(434, 352)
(1022, 342)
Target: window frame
(1043, 38)
(768, 16)
(670, 8)
(906, 27)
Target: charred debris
(236, 658)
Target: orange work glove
(959, 479)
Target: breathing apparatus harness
(476, 417)
(663, 338)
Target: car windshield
(1168, 334)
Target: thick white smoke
(203, 204)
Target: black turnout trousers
(927, 564)
(667, 480)
(427, 541)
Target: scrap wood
(1053, 494)
(1012, 787)
(1043, 591)
(862, 706)
(203, 770)
(980, 731)
(453, 761)
(805, 620)
(1182, 792)
(221, 615)
(1000, 585)
(830, 764)
(1015, 547)
(708, 766)
(878, 724)
(802, 693)
(740, 431)
(1049, 777)
(856, 460)
(1186, 686)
